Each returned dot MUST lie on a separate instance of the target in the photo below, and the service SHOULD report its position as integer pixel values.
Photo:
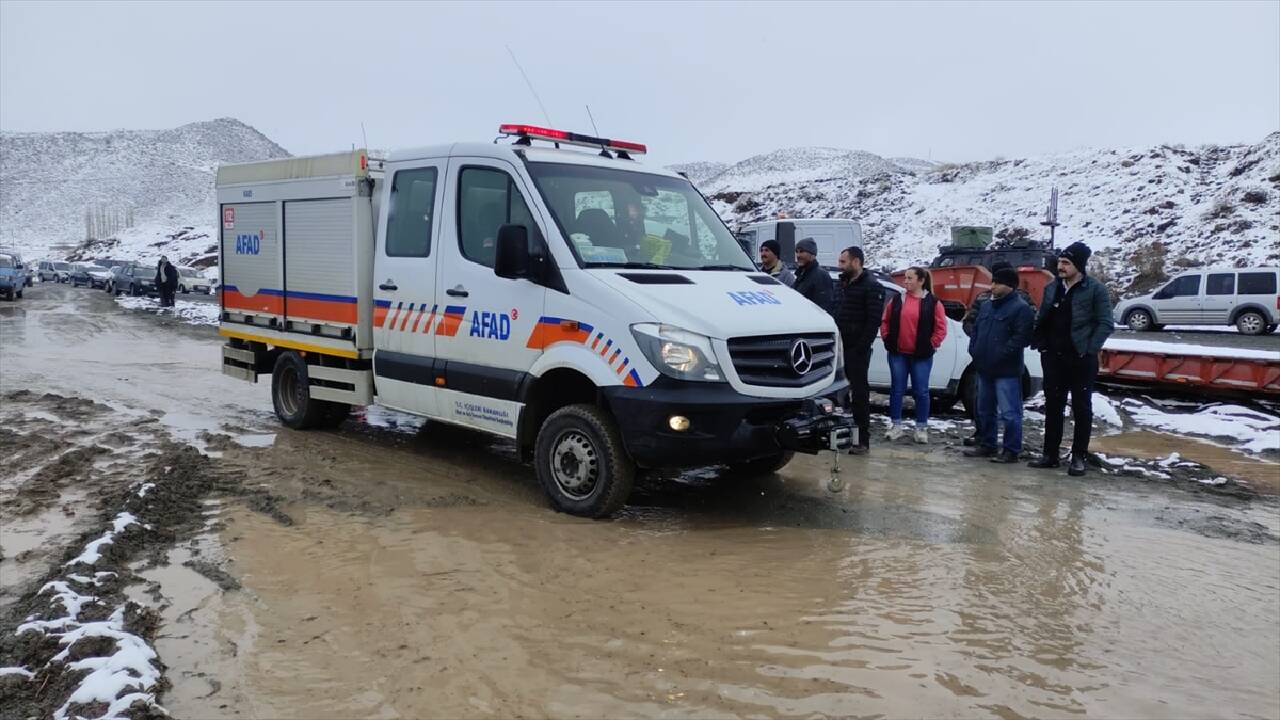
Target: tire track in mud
(72, 641)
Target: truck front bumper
(724, 425)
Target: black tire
(762, 466)
(588, 442)
(336, 415)
(134, 290)
(969, 393)
(8, 295)
(942, 403)
(1140, 320)
(1251, 322)
(182, 289)
(19, 294)
(291, 394)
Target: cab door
(485, 337)
(404, 286)
(1179, 301)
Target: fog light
(679, 423)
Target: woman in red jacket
(913, 327)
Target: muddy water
(423, 576)
(1260, 474)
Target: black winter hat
(772, 246)
(1005, 275)
(1078, 253)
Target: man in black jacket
(859, 305)
(166, 281)
(811, 280)
(1073, 323)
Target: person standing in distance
(772, 264)
(1001, 332)
(858, 308)
(811, 281)
(1073, 323)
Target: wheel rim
(1250, 323)
(1139, 320)
(290, 391)
(575, 464)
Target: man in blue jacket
(1073, 323)
(1001, 333)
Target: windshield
(187, 272)
(615, 218)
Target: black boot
(971, 441)
(980, 451)
(1044, 461)
(1006, 457)
(1077, 467)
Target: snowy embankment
(1168, 348)
(189, 312)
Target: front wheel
(182, 289)
(1140, 321)
(581, 462)
(1251, 323)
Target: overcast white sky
(718, 81)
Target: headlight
(678, 353)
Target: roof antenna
(364, 137)
(530, 84)
(592, 118)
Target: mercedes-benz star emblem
(801, 357)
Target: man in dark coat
(1073, 323)
(1001, 333)
(166, 281)
(812, 281)
(858, 307)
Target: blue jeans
(902, 367)
(1004, 395)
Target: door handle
(389, 285)
(458, 291)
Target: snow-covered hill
(1148, 210)
(161, 180)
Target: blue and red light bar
(534, 132)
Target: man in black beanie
(770, 262)
(1073, 323)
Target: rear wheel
(969, 393)
(291, 395)
(581, 462)
(1139, 321)
(1251, 322)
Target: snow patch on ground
(1105, 410)
(93, 551)
(1155, 346)
(1247, 429)
(192, 313)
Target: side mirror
(18, 266)
(513, 259)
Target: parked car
(88, 274)
(133, 279)
(1248, 298)
(28, 270)
(190, 280)
(53, 270)
(12, 277)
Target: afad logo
(249, 243)
(493, 325)
(754, 297)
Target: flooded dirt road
(396, 569)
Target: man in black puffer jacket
(858, 307)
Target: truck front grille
(770, 360)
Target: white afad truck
(550, 289)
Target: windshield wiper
(724, 267)
(632, 265)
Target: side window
(1221, 284)
(487, 200)
(1185, 286)
(413, 200)
(1258, 283)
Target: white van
(831, 234)
(593, 309)
(1248, 298)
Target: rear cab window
(413, 194)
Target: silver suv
(1248, 298)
